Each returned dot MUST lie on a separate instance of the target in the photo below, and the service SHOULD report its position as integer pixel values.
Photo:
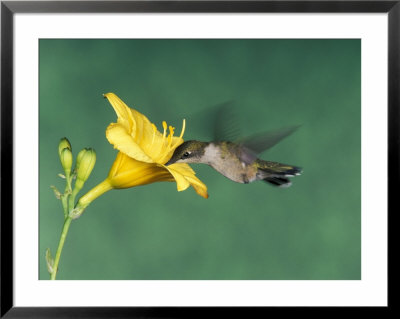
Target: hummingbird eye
(186, 154)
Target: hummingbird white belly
(226, 162)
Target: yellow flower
(143, 152)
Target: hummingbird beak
(169, 162)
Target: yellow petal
(122, 141)
(183, 168)
(181, 182)
(143, 132)
(186, 173)
(154, 146)
(122, 110)
(136, 124)
(198, 186)
(127, 172)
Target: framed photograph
(179, 158)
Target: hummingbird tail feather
(277, 174)
(278, 181)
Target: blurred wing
(226, 124)
(213, 123)
(253, 145)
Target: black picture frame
(9, 8)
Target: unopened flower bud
(66, 160)
(79, 158)
(64, 143)
(85, 163)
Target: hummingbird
(239, 161)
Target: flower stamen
(183, 128)
(164, 124)
(171, 134)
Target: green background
(311, 230)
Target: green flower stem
(64, 233)
(84, 201)
(78, 186)
(68, 179)
(67, 193)
(71, 201)
(64, 201)
(95, 192)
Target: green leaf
(56, 191)
(49, 261)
